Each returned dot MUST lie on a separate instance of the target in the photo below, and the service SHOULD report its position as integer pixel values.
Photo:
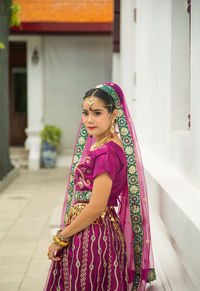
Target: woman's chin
(91, 133)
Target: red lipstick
(91, 127)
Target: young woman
(98, 247)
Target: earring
(112, 129)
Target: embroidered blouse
(110, 158)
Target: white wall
(154, 98)
(128, 53)
(171, 158)
(72, 65)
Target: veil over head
(133, 210)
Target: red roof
(65, 15)
(66, 10)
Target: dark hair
(104, 96)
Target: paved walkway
(27, 207)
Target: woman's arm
(100, 194)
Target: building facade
(158, 67)
(55, 57)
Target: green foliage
(51, 134)
(2, 46)
(14, 18)
(15, 10)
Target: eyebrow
(92, 110)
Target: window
(20, 89)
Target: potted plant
(51, 136)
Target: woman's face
(96, 117)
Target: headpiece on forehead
(90, 99)
(133, 209)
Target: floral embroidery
(79, 150)
(132, 170)
(126, 140)
(81, 140)
(80, 184)
(87, 160)
(130, 160)
(124, 131)
(82, 178)
(133, 189)
(120, 113)
(129, 150)
(84, 260)
(82, 195)
(132, 179)
(121, 121)
(84, 131)
(75, 159)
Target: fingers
(52, 256)
(55, 259)
(52, 253)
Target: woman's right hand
(52, 252)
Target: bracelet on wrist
(62, 238)
(57, 241)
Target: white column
(128, 20)
(35, 101)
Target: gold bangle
(59, 242)
(62, 238)
(55, 242)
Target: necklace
(100, 143)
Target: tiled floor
(26, 207)
(26, 210)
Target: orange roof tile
(66, 10)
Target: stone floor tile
(8, 286)
(26, 207)
(12, 268)
(16, 260)
(31, 284)
(14, 278)
(5, 251)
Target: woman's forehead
(98, 104)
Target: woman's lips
(91, 127)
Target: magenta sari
(114, 252)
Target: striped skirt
(96, 258)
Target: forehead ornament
(91, 100)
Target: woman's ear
(115, 113)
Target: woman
(97, 248)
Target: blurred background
(51, 54)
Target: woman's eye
(85, 113)
(97, 113)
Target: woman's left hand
(52, 251)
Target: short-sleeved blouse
(108, 158)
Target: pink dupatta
(133, 210)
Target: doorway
(17, 93)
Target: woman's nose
(90, 118)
